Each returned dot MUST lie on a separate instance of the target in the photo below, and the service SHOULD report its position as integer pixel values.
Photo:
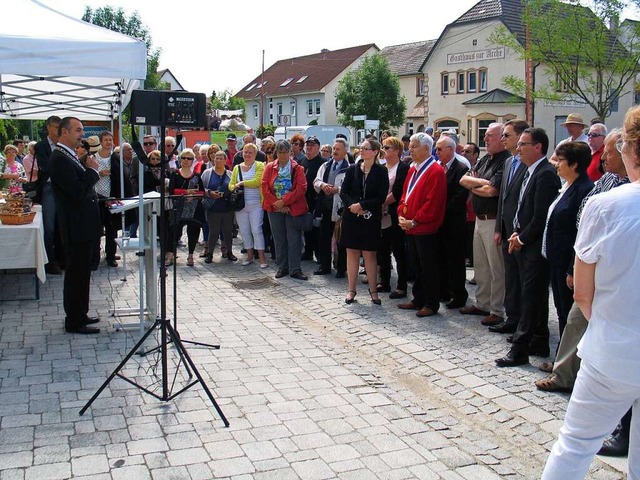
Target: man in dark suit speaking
(539, 188)
(79, 221)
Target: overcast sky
(217, 45)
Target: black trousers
(423, 254)
(324, 246)
(453, 270)
(562, 295)
(512, 290)
(393, 241)
(533, 327)
(312, 243)
(77, 279)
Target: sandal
(350, 298)
(549, 385)
(546, 367)
(190, 260)
(375, 301)
(168, 259)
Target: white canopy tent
(63, 66)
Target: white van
(325, 133)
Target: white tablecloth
(22, 246)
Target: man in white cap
(575, 127)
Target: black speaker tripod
(168, 333)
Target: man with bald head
(451, 237)
(484, 182)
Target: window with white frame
(461, 82)
(472, 81)
(292, 108)
(279, 109)
(309, 108)
(317, 105)
(420, 87)
(444, 84)
(483, 79)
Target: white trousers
(488, 265)
(249, 221)
(597, 404)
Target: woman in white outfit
(248, 175)
(606, 276)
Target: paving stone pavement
(313, 388)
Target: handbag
(304, 222)
(236, 198)
(31, 187)
(208, 202)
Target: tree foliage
(575, 47)
(131, 25)
(371, 90)
(226, 101)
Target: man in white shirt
(575, 128)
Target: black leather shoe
(615, 445)
(282, 273)
(91, 320)
(513, 359)
(398, 294)
(383, 288)
(510, 339)
(456, 304)
(112, 263)
(504, 327)
(83, 330)
(322, 271)
(117, 257)
(299, 276)
(341, 275)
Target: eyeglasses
(187, 158)
(507, 135)
(269, 152)
(439, 149)
(148, 144)
(521, 144)
(170, 146)
(593, 135)
(366, 148)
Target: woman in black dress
(188, 210)
(363, 192)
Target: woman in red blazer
(284, 186)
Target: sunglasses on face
(148, 144)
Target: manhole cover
(254, 284)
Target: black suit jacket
(76, 199)
(540, 191)
(561, 228)
(371, 193)
(456, 214)
(508, 199)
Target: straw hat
(574, 118)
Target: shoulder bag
(236, 198)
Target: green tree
(131, 25)
(226, 101)
(581, 56)
(371, 90)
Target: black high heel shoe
(350, 300)
(375, 301)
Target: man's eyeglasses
(148, 144)
(187, 158)
(594, 135)
(522, 144)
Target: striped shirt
(607, 182)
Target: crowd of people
(526, 216)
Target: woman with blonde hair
(248, 177)
(606, 272)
